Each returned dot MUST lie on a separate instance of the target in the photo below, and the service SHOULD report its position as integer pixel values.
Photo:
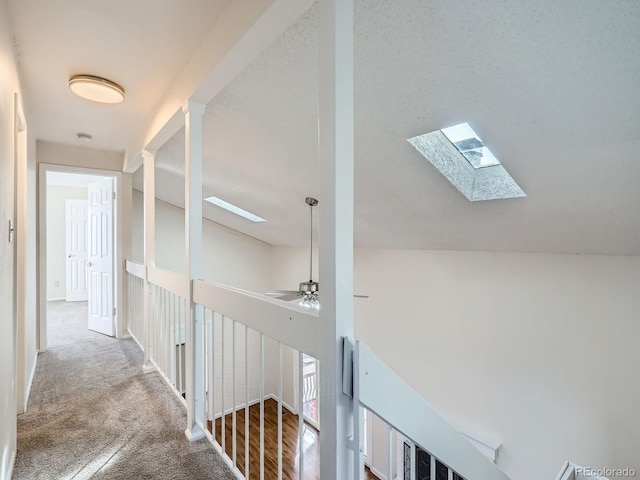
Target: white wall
(9, 85)
(56, 237)
(230, 257)
(537, 351)
(75, 156)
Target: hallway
(94, 414)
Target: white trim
(12, 464)
(290, 324)
(377, 472)
(256, 401)
(417, 420)
(57, 299)
(171, 281)
(488, 449)
(168, 382)
(131, 335)
(30, 383)
(121, 242)
(136, 269)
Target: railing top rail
(177, 283)
(293, 325)
(567, 472)
(383, 392)
(136, 269)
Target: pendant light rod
(312, 202)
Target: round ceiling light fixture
(96, 89)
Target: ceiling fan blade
(285, 295)
(278, 293)
(290, 298)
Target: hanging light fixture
(310, 289)
(308, 293)
(96, 89)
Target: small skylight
(470, 146)
(459, 154)
(233, 209)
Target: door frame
(122, 242)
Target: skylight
(470, 146)
(459, 154)
(233, 209)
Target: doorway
(78, 237)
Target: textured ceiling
(141, 45)
(553, 92)
(551, 88)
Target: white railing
(169, 309)
(419, 436)
(246, 337)
(249, 370)
(135, 301)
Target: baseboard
(377, 473)
(136, 340)
(12, 464)
(56, 299)
(27, 392)
(256, 401)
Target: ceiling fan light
(96, 89)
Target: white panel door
(76, 228)
(100, 257)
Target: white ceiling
(550, 87)
(142, 45)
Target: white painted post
(149, 219)
(336, 231)
(193, 112)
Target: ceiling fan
(308, 293)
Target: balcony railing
(241, 340)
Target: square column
(194, 361)
(149, 220)
(336, 142)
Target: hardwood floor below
(290, 450)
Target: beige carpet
(94, 414)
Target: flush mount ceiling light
(96, 89)
(233, 209)
(459, 154)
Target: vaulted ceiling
(551, 88)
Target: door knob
(89, 264)
(70, 255)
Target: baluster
(246, 401)
(223, 420)
(233, 394)
(300, 416)
(261, 406)
(279, 410)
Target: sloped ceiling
(552, 89)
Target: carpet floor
(93, 413)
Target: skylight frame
(491, 182)
(212, 199)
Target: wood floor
(290, 450)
